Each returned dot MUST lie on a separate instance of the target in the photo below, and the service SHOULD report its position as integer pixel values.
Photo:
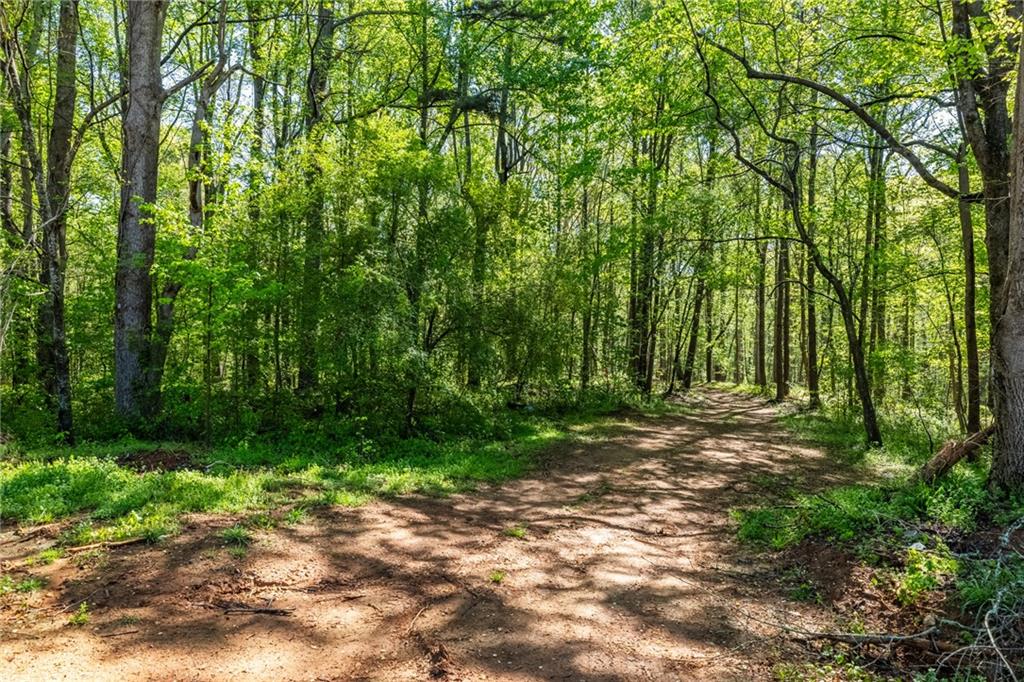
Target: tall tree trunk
(250, 323)
(1007, 472)
(813, 387)
(760, 331)
(136, 234)
(51, 183)
(737, 341)
(970, 317)
(709, 353)
(312, 280)
(21, 325)
(981, 99)
(58, 163)
(780, 354)
(691, 347)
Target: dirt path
(628, 571)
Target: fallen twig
(103, 545)
(413, 621)
(264, 610)
(118, 634)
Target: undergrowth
(95, 484)
(917, 539)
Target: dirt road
(627, 570)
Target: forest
(507, 327)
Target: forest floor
(614, 560)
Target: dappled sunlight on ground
(627, 571)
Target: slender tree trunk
(813, 380)
(21, 325)
(737, 347)
(970, 318)
(309, 308)
(251, 359)
(691, 348)
(709, 353)
(760, 331)
(780, 355)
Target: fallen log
(951, 453)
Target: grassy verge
(926, 548)
(100, 486)
(114, 501)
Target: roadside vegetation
(942, 559)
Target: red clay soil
(629, 571)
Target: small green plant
(81, 616)
(45, 557)
(238, 552)
(517, 531)
(127, 620)
(261, 522)
(237, 535)
(805, 592)
(497, 577)
(30, 584)
(981, 580)
(925, 570)
(94, 557)
(295, 515)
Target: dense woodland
(231, 219)
(757, 266)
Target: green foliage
(116, 502)
(924, 570)
(497, 576)
(81, 616)
(983, 579)
(9, 585)
(517, 531)
(239, 536)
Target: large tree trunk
(136, 233)
(1008, 344)
(58, 163)
(52, 187)
(982, 90)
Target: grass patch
(116, 502)
(9, 585)
(497, 577)
(237, 536)
(45, 557)
(517, 531)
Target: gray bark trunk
(1008, 344)
(136, 234)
